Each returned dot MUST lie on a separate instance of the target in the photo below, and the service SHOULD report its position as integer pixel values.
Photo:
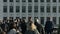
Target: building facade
(41, 9)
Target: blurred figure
(39, 26)
(0, 30)
(49, 27)
(3, 32)
(23, 26)
(32, 29)
(0, 22)
(10, 21)
(0, 25)
(5, 26)
(29, 21)
(13, 30)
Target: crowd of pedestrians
(20, 26)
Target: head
(23, 20)
(14, 25)
(49, 19)
(29, 19)
(3, 32)
(37, 20)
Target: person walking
(23, 26)
(49, 27)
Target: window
(29, 9)
(35, 17)
(35, 0)
(4, 0)
(54, 20)
(59, 9)
(35, 8)
(47, 0)
(54, 0)
(4, 18)
(11, 0)
(42, 20)
(54, 9)
(23, 17)
(48, 9)
(29, 0)
(17, 0)
(41, 8)
(41, 0)
(59, 20)
(17, 8)
(11, 19)
(11, 8)
(48, 18)
(23, 0)
(4, 9)
(23, 9)
(59, 0)
(17, 17)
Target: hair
(3, 32)
(13, 25)
(32, 26)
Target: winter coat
(49, 26)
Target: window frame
(54, 9)
(11, 9)
(29, 9)
(54, 20)
(5, 9)
(29, 0)
(17, 0)
(4, 1)
(35, 0)
(42, 9)
(36, 9)
(11, 0)
(23, 9)
(48, 1)
(48, 9)
(41, 0)
(23, 0)
(54, 0)
(42, 20)
(17, 9)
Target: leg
(50, 32)
(47, 32)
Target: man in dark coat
(48, 27)
(4, 26)
(23, 26)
